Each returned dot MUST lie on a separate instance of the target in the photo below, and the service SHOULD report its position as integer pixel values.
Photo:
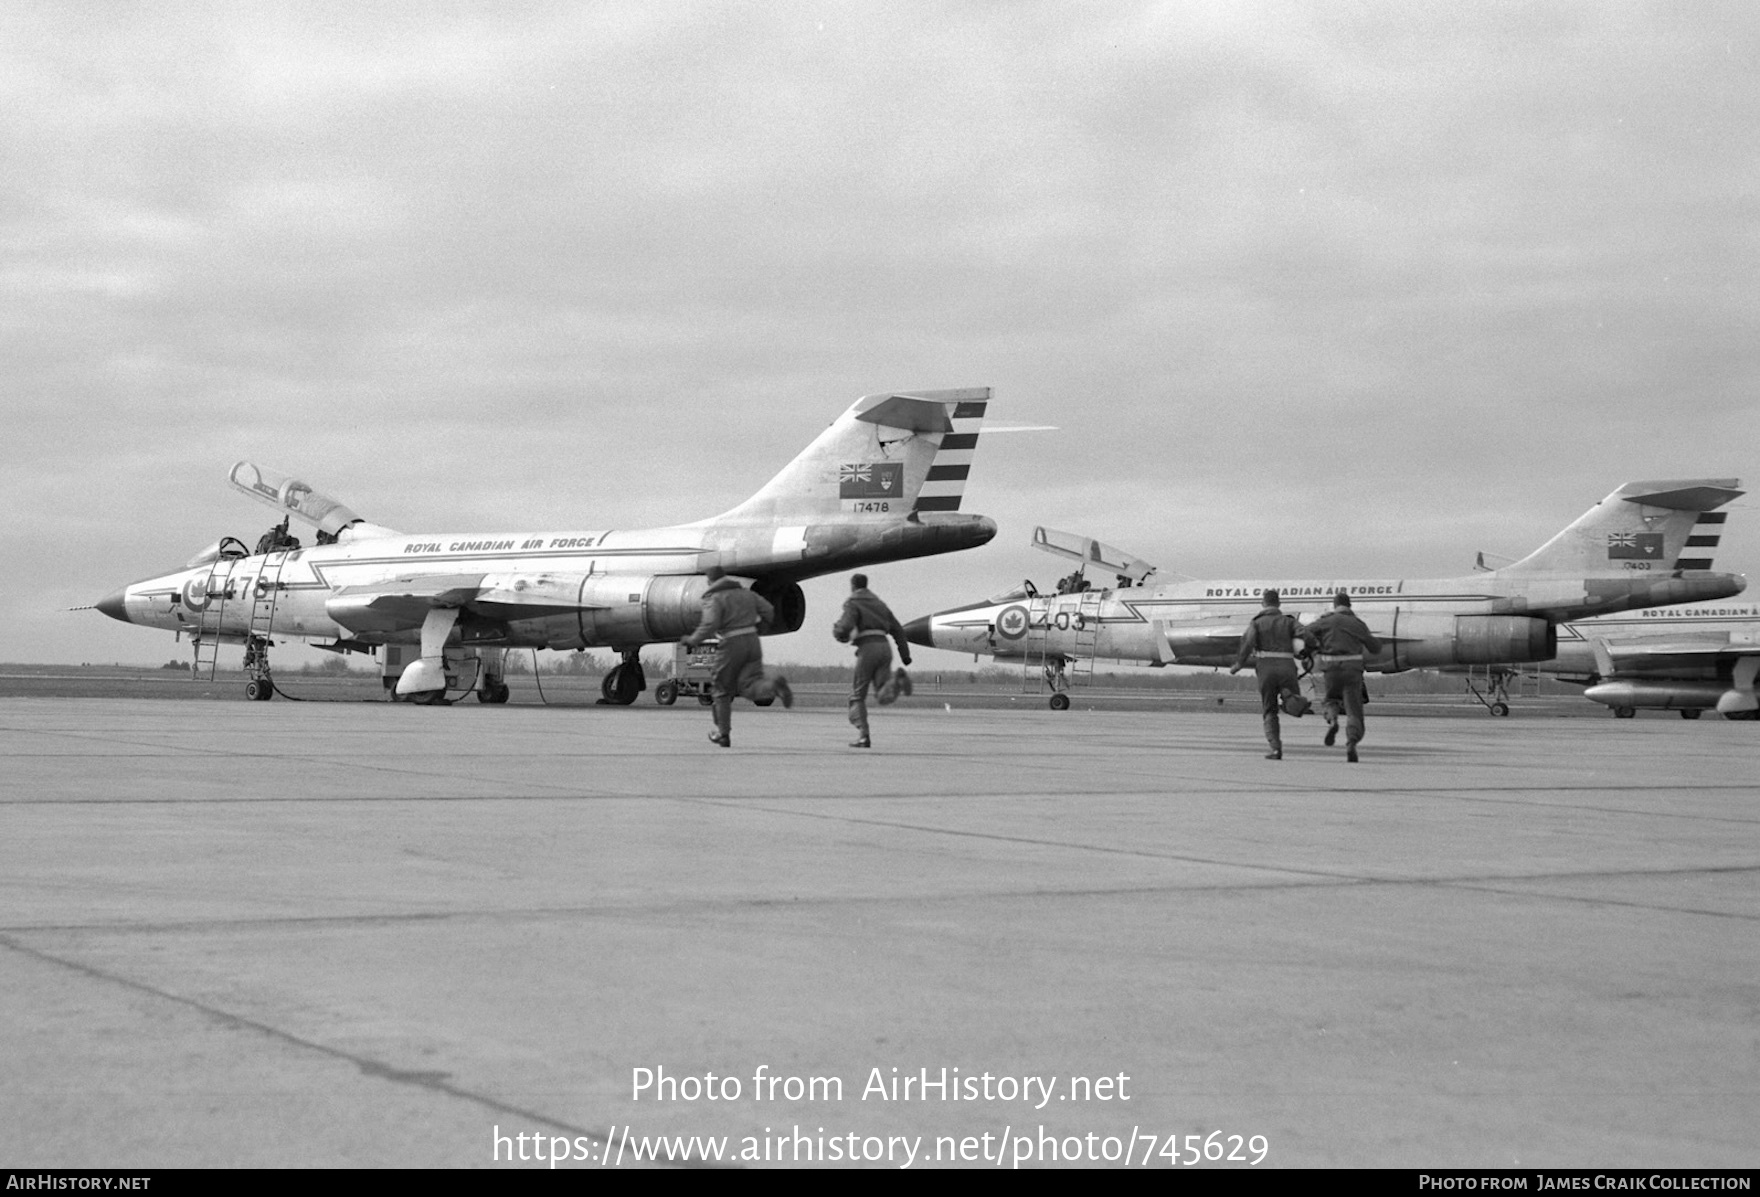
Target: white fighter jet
(1692, 659)
(1639, 547)
(1703, 657)
(883, 483)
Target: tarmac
(365, 934)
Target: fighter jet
(882, 483)
(1639, 547)
(1691, 659)
(1688, 659)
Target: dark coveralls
(1343, 641)
(1270, 643)
(867, 622)
(733, 613)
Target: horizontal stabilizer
(1089, 551)
(1684, 496)
(907, 413)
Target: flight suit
(1343, 643)
(867, 622)
(733, 613)
(1270, 643)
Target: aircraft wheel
(429, 698)
(1060, 702)
(666, 693)
(495, 692)
(622, 685)
(1500, 709)
(706, 698)
(1691, 713)
(1625, 712)
(257, 690)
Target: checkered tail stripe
(946, 483)
(1701, 543)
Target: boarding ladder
(1085, 636)
(1037, 667)
(261, 592)
(265, 594)
(206, 644)
(1061, 644)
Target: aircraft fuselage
(1481, 618)
(559, 590)
(1734, 624)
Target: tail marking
(946, 483)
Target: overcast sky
(1310, 289)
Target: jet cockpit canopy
(227, 548)
(289, 495)
(1088, 551)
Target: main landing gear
(1057, 677)
(625, 683)
(493, 688)
(1495, 696)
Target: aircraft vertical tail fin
(1665, 526)
(886, 457)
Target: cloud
(1362, 287)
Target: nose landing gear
(259, 686)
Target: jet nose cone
(917, 631)
(115, 605)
